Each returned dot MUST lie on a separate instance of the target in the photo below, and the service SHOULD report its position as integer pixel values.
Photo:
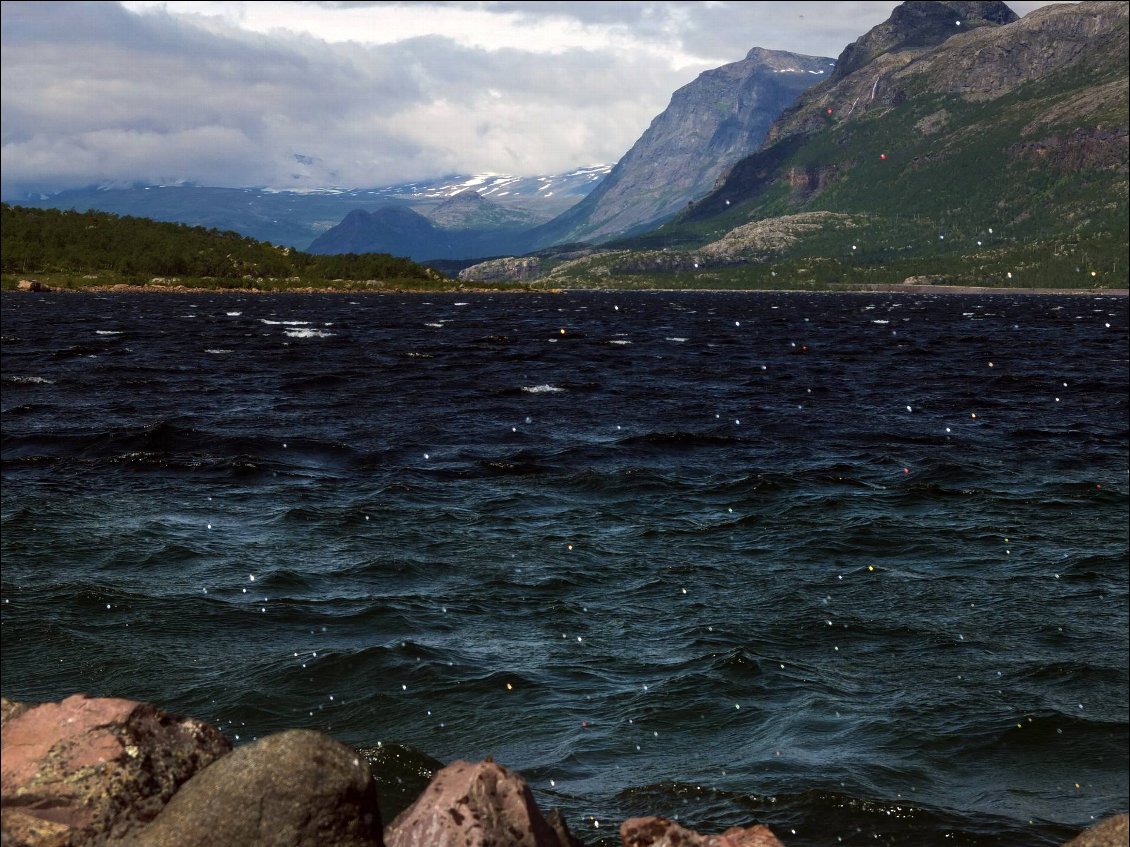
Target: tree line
(41, 241)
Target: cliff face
(710, 123)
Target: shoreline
(878, 288)
(83, 768)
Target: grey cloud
(719, 30)
(92, 93)
(723, 31)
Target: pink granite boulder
(84, 771)
(475, 805)
(1112, 832)
(660, 832)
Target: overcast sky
(358, 94)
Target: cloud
(93, 93)
(360, 94)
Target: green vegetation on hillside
(1027, 189)
(67, 249)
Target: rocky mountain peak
(710, 123)
(869, 73)
(919, 25)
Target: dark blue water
(854, 566)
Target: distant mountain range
(296, 217)
(952, 143)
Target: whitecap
(435, 326)
(677, 338)
(542, 389)
(619, 341)
(218, 352)
(233, 314)
(107, 332)
(880, 322)
(30, 380)
(284, 323)
(308, 333)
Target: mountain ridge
(709, 124)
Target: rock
(763, 238)
(298, 788)
(660, 832)
(474, 805)
(509, 269)
(1112, 832)
(86, 770)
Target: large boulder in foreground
(660, 832)
(87, 770)
(475, 805)
(1112, 832)
(297, 788)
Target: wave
(309, 333)
(679, 439)
(544, 388)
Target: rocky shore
(108, 771)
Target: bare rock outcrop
(88, 770)
(510, 269)
(1112, 832)
(474, 805)
(762, 238)
(661, 832)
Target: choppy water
(854, 566)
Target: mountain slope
(372, 232)
(996, 155)
(951, 127)
(710, 123)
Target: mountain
(472, 231)
(953, 143)
(710, 123)
(472, 210)
(371, 232)
(295, 217)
